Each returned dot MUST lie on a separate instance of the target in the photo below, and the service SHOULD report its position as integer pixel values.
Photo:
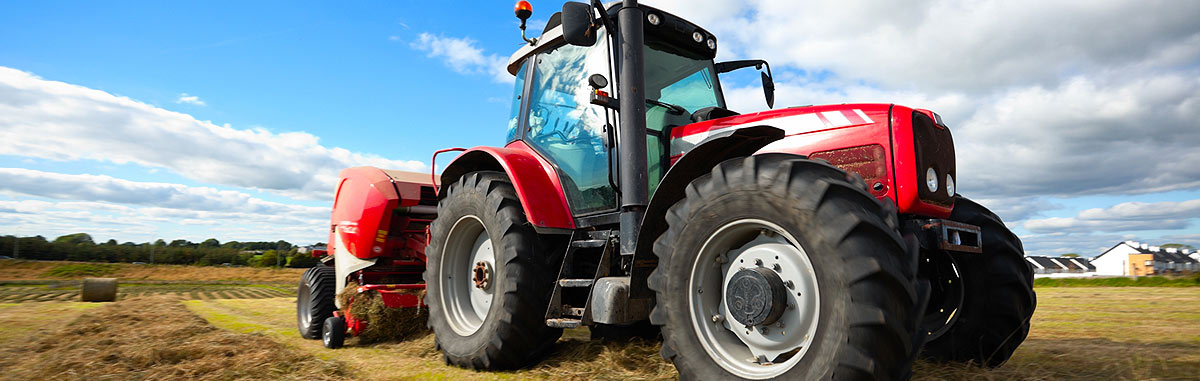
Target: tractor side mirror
(768, 89)
(577, 25)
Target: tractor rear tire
(314, 300)
(849, 276)
(494, 319)
(998, 297)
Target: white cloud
(462, 55)
(1123, 217)
(55, 120)
(101, 188)
(184, 98)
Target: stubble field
(229, 326)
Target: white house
(1134, 258)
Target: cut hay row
(42, 294)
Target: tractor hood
(793, 121)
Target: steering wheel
(674, 109)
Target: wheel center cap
(756, 296)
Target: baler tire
(333, 332)
(998, 296)
(513, 333)
(868, 306)
(315, 300)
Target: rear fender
(534, 178)
(695, 163)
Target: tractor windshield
(677, 84)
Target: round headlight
(653, 19)
(712, 44)
(698, 37)
(950, 184)
(931, 180)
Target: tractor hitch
(946, 235)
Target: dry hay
(156, 338)
(384, 323)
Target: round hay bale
(99, 289)
(384, 323)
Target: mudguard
(699, 160)
(535, 180)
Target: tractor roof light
(950, 184)
(653, 19)
(698, 37)
(712, 44)
(523, 10)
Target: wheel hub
(756, 296)
(482, 275)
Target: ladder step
(563, 323)
(575, 282)
(573, 311)
(589, 243)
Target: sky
(1075, 121)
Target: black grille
(934, 148)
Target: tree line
(210, 252)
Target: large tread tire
(869, 306)
(315, 300)
(998, 297)
(514, 333)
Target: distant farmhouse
(1132, 258)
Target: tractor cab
(564, 103)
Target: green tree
(180, 243)
(76, 239)
(211, 242)
(1178, 246)
(268, 258)
(1070, 255)
(160, 243)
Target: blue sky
(138, 120)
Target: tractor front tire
(998, 297)
(487, 282)
(314, 300)
(797, 242)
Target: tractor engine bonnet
(756, 296)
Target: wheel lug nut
(790, 285)
(716, 318)
(763, 330)
(758, 262)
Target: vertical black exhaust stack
(631, 150)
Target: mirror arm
(604, 19)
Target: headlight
(698, 37)
(931, 179)
(653, 19)
(950, 184)
(712, 44)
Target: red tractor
(798, 243)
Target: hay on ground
(156, 338)
(384, 323)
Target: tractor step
(563, 323)
(575, 282)
(589, 243)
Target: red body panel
(363, 213)
(815, 129)
(535, 181)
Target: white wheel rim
(739, 350)
(466, 306)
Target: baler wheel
(314, 300)
(778, 267)
(333, 332)
(998, 297)
(489, 315)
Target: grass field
(167, 326)
(55, 270)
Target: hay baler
(377, 239)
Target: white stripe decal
(863, 115)
(836, 118)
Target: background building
(1133, 258)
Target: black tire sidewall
(828, 268)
